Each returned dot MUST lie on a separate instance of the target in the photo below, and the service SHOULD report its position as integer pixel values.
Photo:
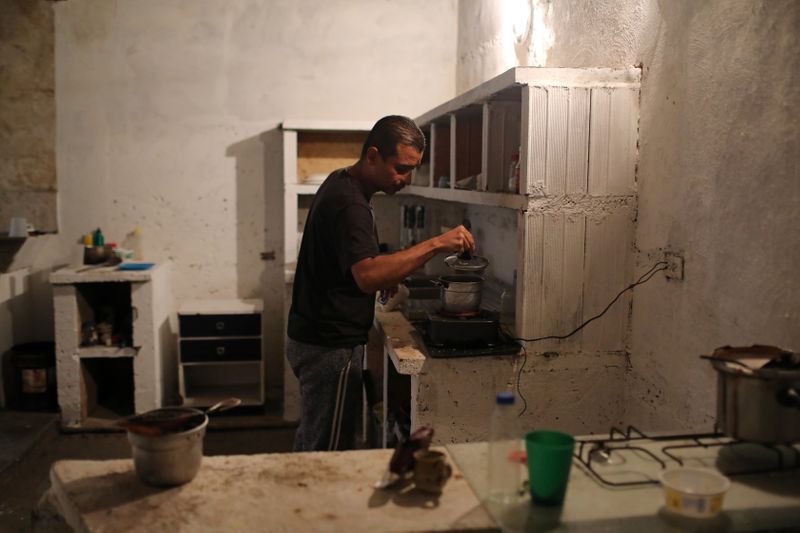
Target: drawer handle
(220, 350)
(220, 325)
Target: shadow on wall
(169, 363)
(259, 238)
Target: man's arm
(385, 271)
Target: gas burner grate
(592, 453)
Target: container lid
(756, 361)
(505, 398)
(473, 264)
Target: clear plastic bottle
(504, 446)
(133, 242)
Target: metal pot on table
(167, 443)
(758, 393)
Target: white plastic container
(694, 492)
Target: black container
(35, 376)
(450, 331)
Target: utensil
(549, 463)
(401, 464)
(461, 294)
(758, 404)
(169, 459)
(694, 492)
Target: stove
(630, 458)
(464, 336)
(613, 484)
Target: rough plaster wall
(27, 116)
(717, 176)
(160, 105)
(574, 392)
(719, 181)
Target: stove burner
(735, 457)
(603, 456)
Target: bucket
(35, 377)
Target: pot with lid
(461, 292)
(758, 393)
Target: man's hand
(457, 240)
(375, 273)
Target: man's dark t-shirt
(328, 308)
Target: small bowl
(694, 492)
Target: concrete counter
(576, 392)
(320, 491)
(455, 395)
(403, 345)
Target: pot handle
(788, 397)
(441, 283)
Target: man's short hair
(390, 131)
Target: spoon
(224, 405)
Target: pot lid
(467, 263)
(758, 360)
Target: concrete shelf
(106, 351)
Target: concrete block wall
(716, 177)
(576, 392)
(28, 182)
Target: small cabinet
(113, 352)
(220, 351)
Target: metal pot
(172, 458)
(758, 404)
(461, 294)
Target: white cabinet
(220, 352)
(311, 151)
(576, 132)
(135, 373)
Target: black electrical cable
(644, 278)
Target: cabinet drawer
(217, 350)
(220, 325)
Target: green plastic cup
(549, 463)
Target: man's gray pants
(330, 393)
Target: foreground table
(321, 491)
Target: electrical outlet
(675, 262)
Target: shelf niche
(468, 151)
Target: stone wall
(27, 117)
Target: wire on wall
(644, 278)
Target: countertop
(402, 342)
(319, 491)
(92, 274)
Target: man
(339, 269)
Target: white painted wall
(717, 176)
(159, 107)
(156, 99)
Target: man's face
(394, 172)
